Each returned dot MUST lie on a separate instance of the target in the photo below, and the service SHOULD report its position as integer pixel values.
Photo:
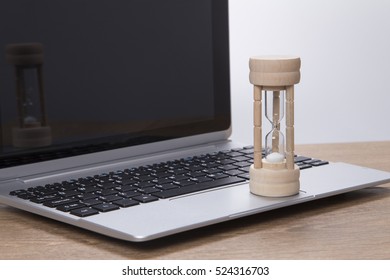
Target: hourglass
(276, 174)
(33, 130)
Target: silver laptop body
(121, 135)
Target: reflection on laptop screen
(72, 76)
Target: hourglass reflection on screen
(32, 129)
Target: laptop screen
(81, 76)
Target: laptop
(115, 117)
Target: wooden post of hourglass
(276, 175)
(257, 120)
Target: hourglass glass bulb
(274, 141)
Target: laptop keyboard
(134, 186)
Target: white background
(344, 45)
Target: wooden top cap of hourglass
(274, 70)
(24, 54)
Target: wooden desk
(349, 226)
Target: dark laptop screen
(80, 76)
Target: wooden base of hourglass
(274, 180)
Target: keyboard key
(26, 195)
(49, 191)
(177, 178)
(145, 178)
(18, 192)
(242, 164)
(126, 188)
(161, 174)
(149, 190)
(209, 165)
(233, 154)
(301, 158)
(241, 158)
(109, 198)
(129, 194)
(217, 176)
(304, 166)
(320, 163)
(126, 203)
(106, 207)
(178, 171)
(145, 198)
(235, 172)
(213, 171)
(195, 174)
(84, 212)
(184, 183)
(227, 167)
(107, 192)
(70, 207)
(244, 176)
(247, 152)
(69, 193)
(108, 185)
(227, 161)
(91, 202)
(87, 196)
(167, 186)
(161, 181)
(143, 185)
(311, 161)
(129, 181)
(245, 169)
(194, 168)
(58, 202)
(43, 199)
(88, 189)
(202, 179)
